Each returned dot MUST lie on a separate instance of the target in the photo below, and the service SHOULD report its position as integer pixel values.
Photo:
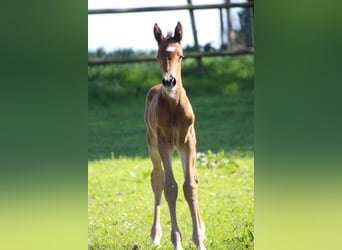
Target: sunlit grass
(120, 202)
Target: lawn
(120, 199)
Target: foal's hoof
(201, 246)
(156, 234)
(179, 247)
(156, 243)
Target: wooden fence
(198, 54)
(131, 59)
(167, 8)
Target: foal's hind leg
(157, 183)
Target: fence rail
(167, 8)
(198, 55)
(95, 61)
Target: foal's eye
(180, 58)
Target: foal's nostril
(169, 82)
(173, 81)
(165, 82)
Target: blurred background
(214, 28)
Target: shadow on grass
(222, 122)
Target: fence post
(229, 28)
(194, 32)
(223, 45)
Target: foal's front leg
(170, 190)
(188, 155)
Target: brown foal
(170, 124)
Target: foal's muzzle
(170, 82)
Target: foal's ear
(178, 32)
(158, 34)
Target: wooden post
(194, 32)
(229, 27)
(223, 45)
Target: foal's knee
(170, 192)
(157, 180)
(190, 191)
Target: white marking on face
(170, 49)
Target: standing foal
(170, 123)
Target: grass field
(120, 199)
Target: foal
(170, 124)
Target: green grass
(121, 205)
(120, 197)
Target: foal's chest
(174, 126)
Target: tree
(246, 23)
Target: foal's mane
(169, 35)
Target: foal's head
(170, 55)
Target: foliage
(100, 52)
(212, 160)
(244, 35)
(222, 75)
